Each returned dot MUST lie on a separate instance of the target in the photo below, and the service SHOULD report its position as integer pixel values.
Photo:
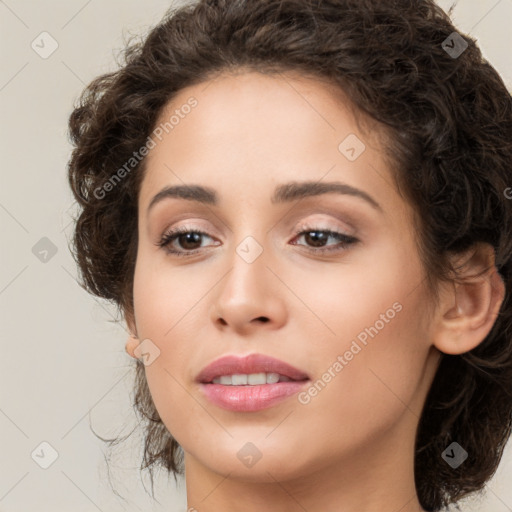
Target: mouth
(251, 379)
(250, 383)
(251, 370)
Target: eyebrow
(284, 193)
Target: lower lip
(251, 398)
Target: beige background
(63, 365)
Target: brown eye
(182, 241)
(189, 240)
(318, 238)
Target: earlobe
(131, 344)
(133, 341)
(468, 310)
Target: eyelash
(170, 236)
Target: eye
(318, 239)
(189, 239)
(186, 242)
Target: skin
(351, 448)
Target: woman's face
(347, 309)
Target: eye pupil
(319, 238)
(192, 238)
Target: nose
(249, 298)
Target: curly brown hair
(449, 120)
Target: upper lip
(252, 363)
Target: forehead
(255, 128)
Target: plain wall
(63, 366)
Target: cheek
(368, 396)
(375, 368)
(163, 295)
(166, 310)
(366, 294)
(374, 359)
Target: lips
(253, 363)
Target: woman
(301, 210)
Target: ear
(469, 305)
(133, 341)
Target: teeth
(252, 379)
(238, 380)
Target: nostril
(264, 319)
